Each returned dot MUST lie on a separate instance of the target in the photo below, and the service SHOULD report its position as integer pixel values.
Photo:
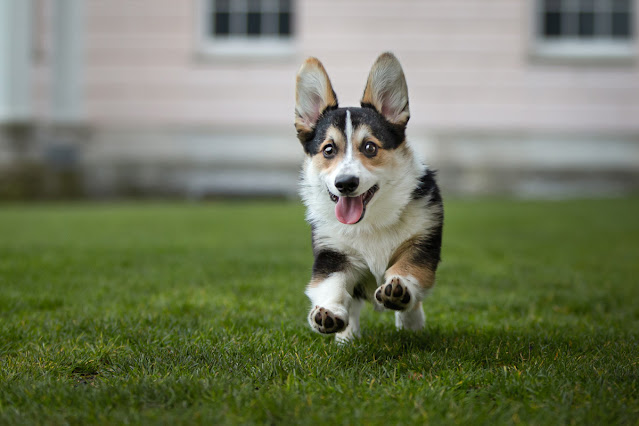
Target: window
(585, 28)
(248, 27)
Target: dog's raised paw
(325, 321)
(393, 295)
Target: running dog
(375, 210)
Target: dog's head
(357, 157)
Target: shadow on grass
(440, 349)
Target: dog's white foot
(347, 335)
(351, 331)
(327, 321)
(413, 319)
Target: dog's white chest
(373, 250)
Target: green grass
(195, 313)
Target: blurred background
(195, 98)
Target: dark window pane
(621, 25)
(221, 23)
(552, 24)
(285, 25)
(253, 23)
(586, 25)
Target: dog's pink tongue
(349, 209)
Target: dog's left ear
(386, 90)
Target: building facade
(195, 97)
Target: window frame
(242, 46)
(594, 48)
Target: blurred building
(196, 98)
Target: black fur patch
(390, 135)
(327, 262)
(427, 187)
(428, 250)
(359, 292)
(398, 129)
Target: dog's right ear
(313, 95)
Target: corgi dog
(375, 210)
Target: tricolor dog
(375, 210)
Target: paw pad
(393, 295)
(325, 321)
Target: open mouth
(350, 210)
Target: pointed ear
(313, 95)
(386, 90)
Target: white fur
(412, 319)
(391, 218)
(334, 294)
(348, 131)
(352, 330)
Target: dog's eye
(329, 151)
(370, 149)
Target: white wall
(468, 64)
(147, 87)
(15, 60)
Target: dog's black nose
(346, 184)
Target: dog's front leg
(407, 281)
(330, 291)
(330, 303)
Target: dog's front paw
(394, 295)
(327, 322)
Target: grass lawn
(195, 313)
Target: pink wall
(467, 62)
(468, 66)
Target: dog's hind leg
(413, 319)
(352, 330)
